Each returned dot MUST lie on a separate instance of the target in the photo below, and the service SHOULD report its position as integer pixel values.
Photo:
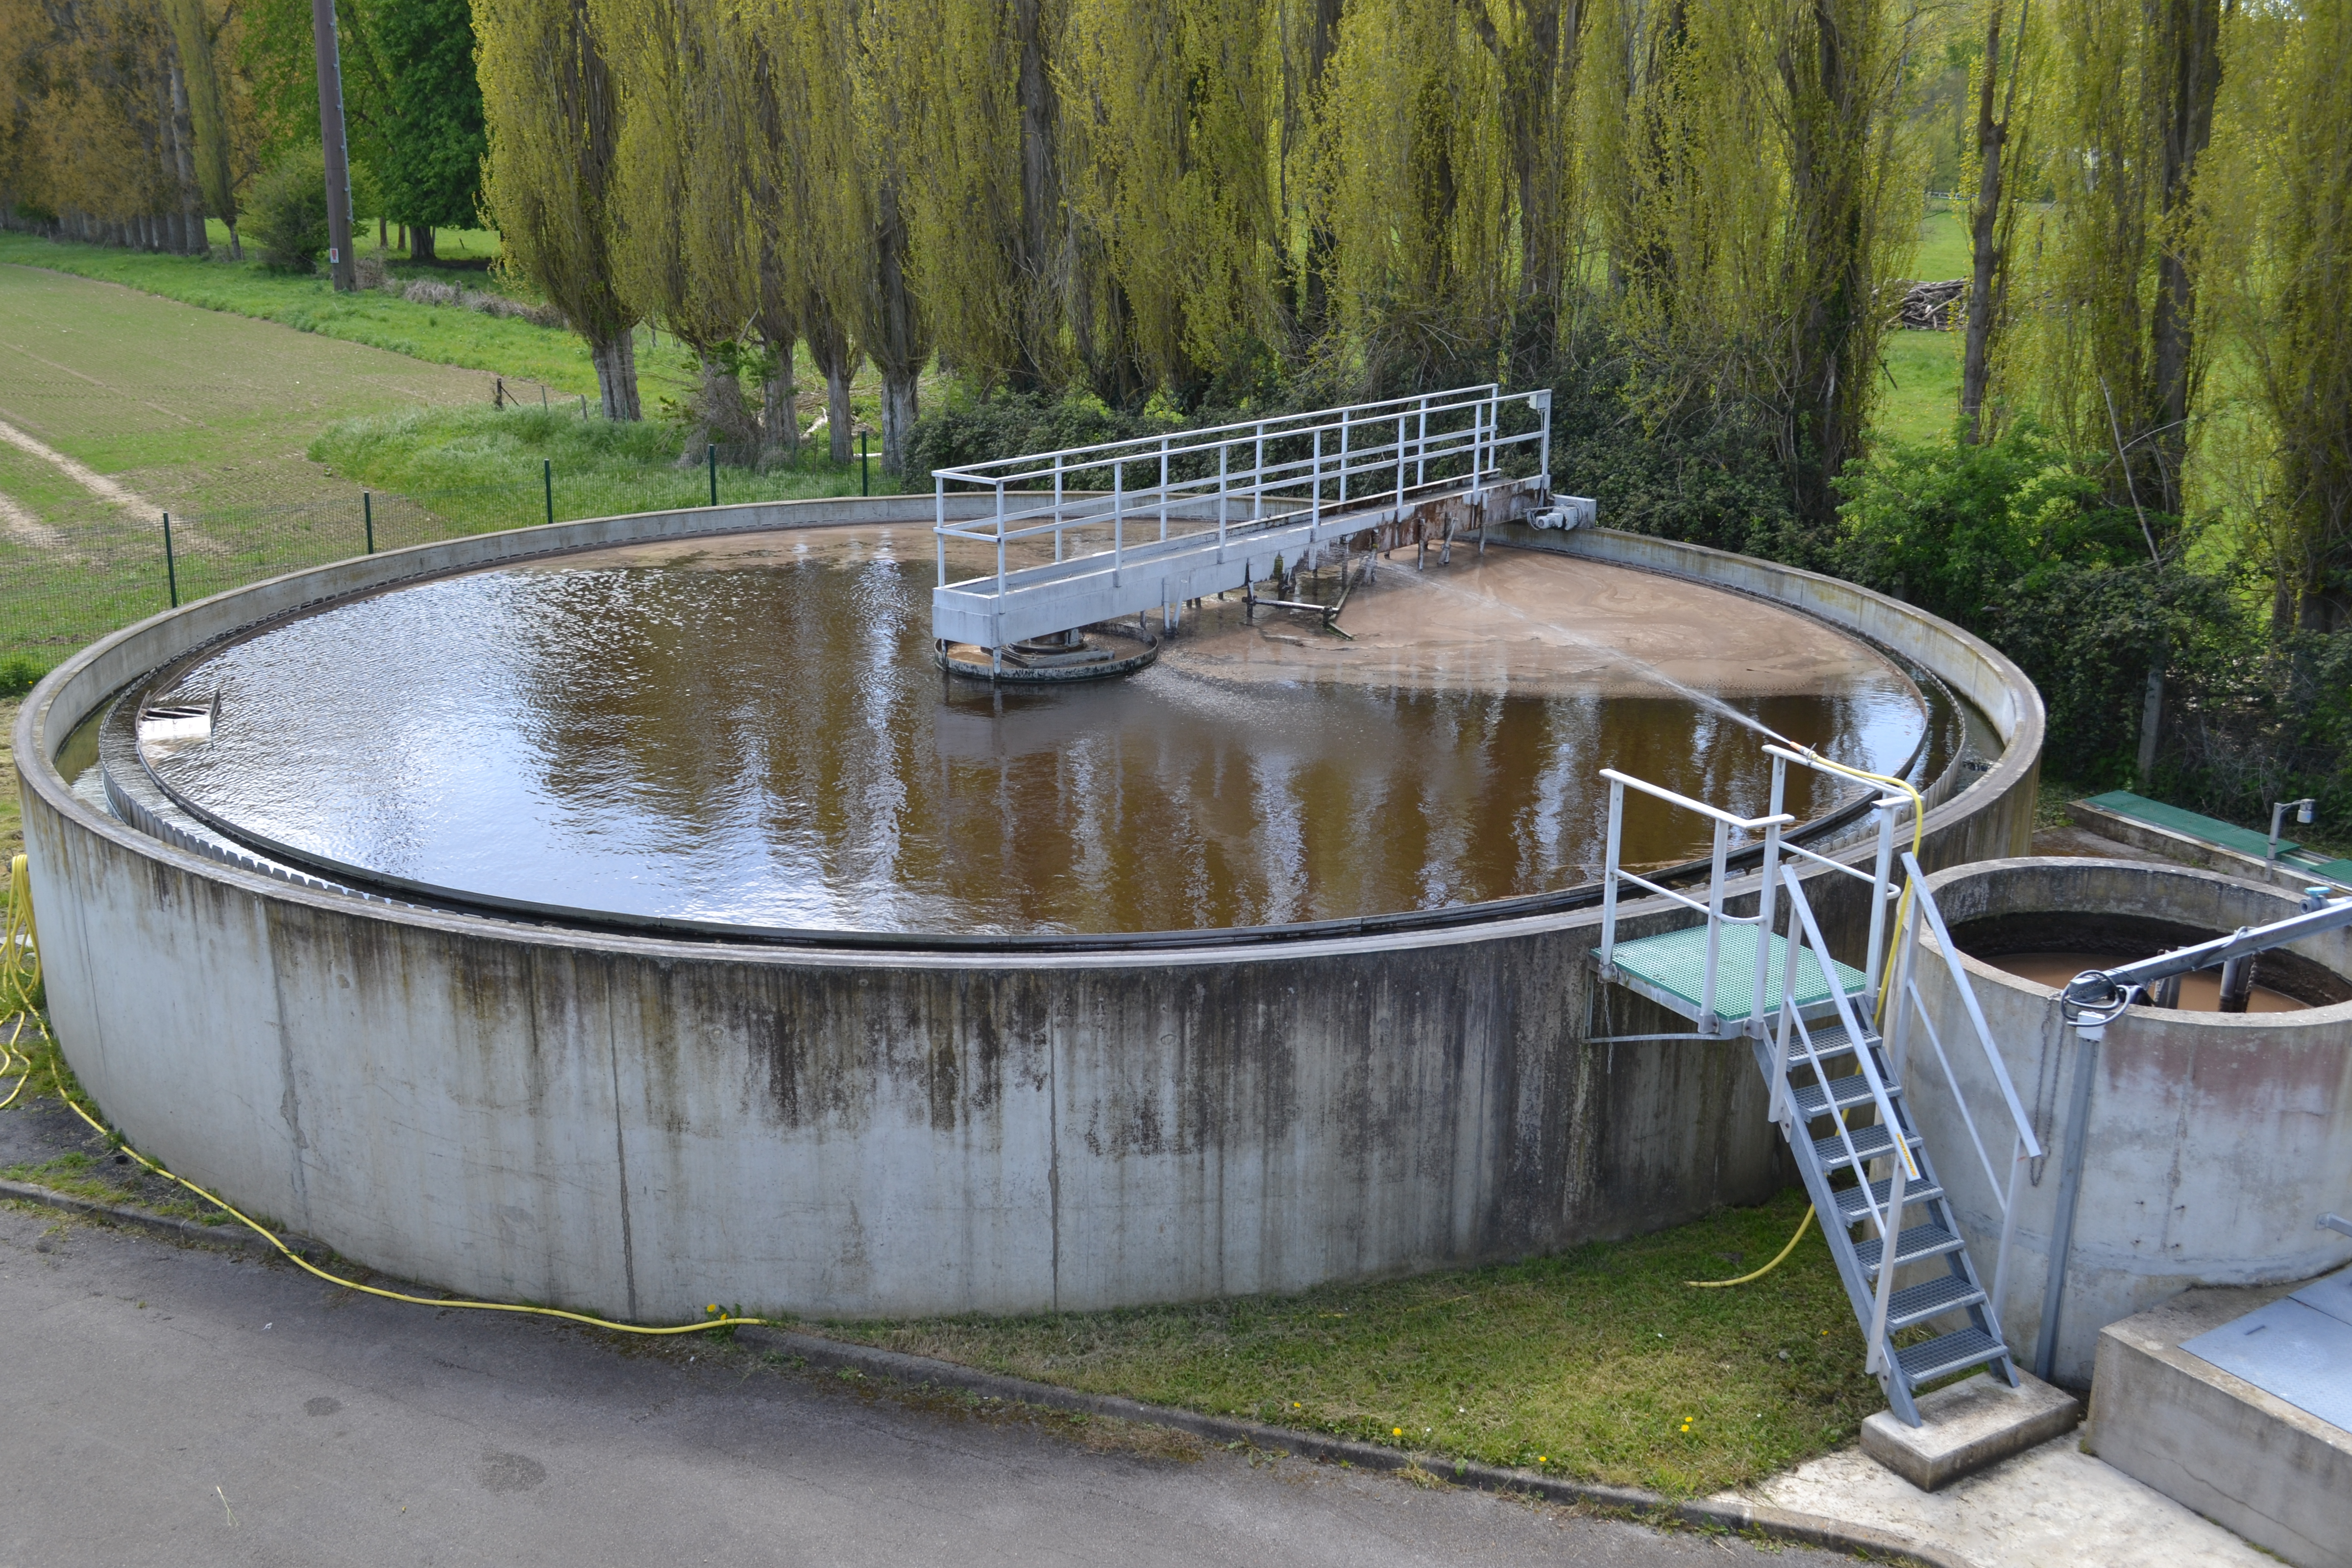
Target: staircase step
(1829, 1041)
(1853, 1210)
(1931, 1298)
(1868, 1141)
(1950, 1352)
(1916, 1243)
(1812, 1099)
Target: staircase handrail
(1888, 1219)
(1908, 1004)
(1725, 822)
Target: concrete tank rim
(1981, 973)
(220, 614)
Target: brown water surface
(751, 730)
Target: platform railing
(1725, 824)
(1888, 810)
(1920, 913)
(1342, 459)
(1904, 1172)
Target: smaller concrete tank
(2211, 1140)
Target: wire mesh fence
(84, 567)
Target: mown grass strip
(1599, 1364)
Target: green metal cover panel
(2337, 871)
(1676, 963)
(2244, 840)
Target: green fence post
(171, 568)
(547, 477)
(865, 479)
(711, 454)
(367, 510)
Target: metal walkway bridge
(1152, 523)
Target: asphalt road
(183, 1406)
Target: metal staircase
(1836, 1084)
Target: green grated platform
(1671, 970)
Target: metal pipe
(367, 515)
(547, 480)
(2238, 984)
(2108, 990)
(2070, 1192)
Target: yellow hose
(1744, 1278)
(20, 977)
(1918, 822)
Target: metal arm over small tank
(2097, 997)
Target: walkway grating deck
(1671, 970)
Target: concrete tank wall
(644, 1126)
(2214, 1141)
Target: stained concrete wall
(2214, 1140)
(645, 1126)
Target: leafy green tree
(429, 122)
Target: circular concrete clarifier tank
(2212, 1141)
(669, 928)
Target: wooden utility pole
(343, 266)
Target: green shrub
(288, 212)
(18, 674)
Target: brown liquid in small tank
(752, 731)
(2199, 993)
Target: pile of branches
(1931, 307)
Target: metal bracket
(2335, 1222)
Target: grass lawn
(1598, 1363)
(200, 413)
(1944, 250)
(1920, 394)
(12, 818)
(478, 468)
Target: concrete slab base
(2278, 1476)
(1977, 1422)
(2052, 1507)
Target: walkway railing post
(1343, 460)
(1315, 507)
(367, 516)
(940, 502)
(1117, 519)
(1420, 468)
(1258, 478)
(1058, 506)
(1609, 878)
(1225, 452)
(171, 567)
(1164, 487)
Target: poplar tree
(552, 110)
(682, 234)
(2278, 220)
(2119, 359)
(886, 47)
(1177, 185)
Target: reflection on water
(766, 741)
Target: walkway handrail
(1888, 1218)
(1907, 1005)
(1725, 822)
(1345, 458)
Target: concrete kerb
(1756, 1518)
(188, 1231)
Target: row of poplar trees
(1201, 199)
